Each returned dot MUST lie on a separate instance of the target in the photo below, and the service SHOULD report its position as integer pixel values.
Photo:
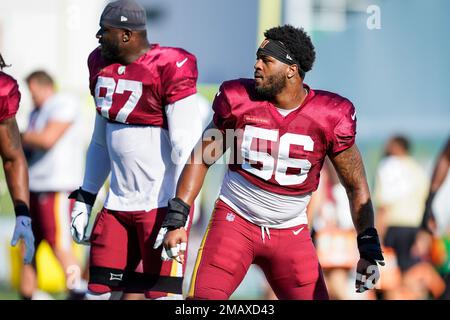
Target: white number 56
(283, 161)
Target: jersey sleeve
(179, 77)
(223, 117)
(93, 63)
(344, 132)
(9, 98)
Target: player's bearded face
(110, 49)
(270, 85)
(109, 39)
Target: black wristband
(369, 245)
(22, 210)
(83, 196)
(177, 214)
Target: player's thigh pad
(114, 249)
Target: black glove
(369, 246)
(177, 214)
(83, 196)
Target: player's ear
(292, 71)
(126, 35)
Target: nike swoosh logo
(298, 231)
(354, 116)
(180, 63)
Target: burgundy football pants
(231, 244)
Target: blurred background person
(433, 239)
(54, 151)
(334, 235)
(440, 173)
(14, 163)
(401, 188)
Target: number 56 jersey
(283, 154)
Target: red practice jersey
(9, 96)
(280, 154)
(137, 93)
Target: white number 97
(105, 103)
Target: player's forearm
(98, 164)
(97, 167)
(350, 168)
(191, 182)
(361, 208)
(14, 163)
(16, 173)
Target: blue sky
(398, 77)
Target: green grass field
(8, 294)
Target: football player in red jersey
(146, 126)
(14, 163)
(286, 129)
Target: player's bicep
(99, 132)
(185, 125)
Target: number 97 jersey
(137, 93)
(282, 154)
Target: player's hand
(23, 231)
(367, 273)
(81, 213)
(160, 238)
(175, 244)
(176, 220)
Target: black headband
(278, 50)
